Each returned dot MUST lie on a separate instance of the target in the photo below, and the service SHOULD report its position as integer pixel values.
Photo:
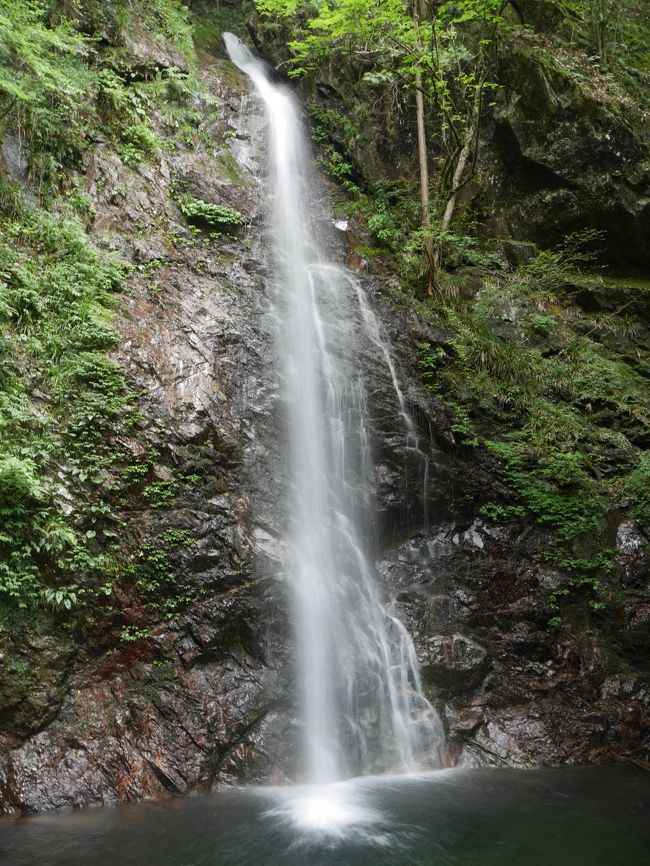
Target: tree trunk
(424, 166)
(466, 152)
(463, 156)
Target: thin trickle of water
(360, 692)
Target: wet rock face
(194, 702)
(476, 597)
(453, 662)
(147, 55)
(558, 159)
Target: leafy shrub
(19, 482)
(216, 215)
(131, 634)
(500, 513)
(557, 487)
(159, 494)
(552, 268)
(138, 141)
(178, 537)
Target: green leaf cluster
(215, 215)
(60, 397)
(137, 142)
(161, 584)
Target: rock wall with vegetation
(144, 636)
(532, 338)
(134, 409)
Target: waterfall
(360, 693)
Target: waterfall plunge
(361, 696)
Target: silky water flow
(359, 686)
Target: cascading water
(362, 700)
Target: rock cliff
(185, 680)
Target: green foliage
(172, 18)
(614, 33)
(522, 374)
(126, 107)
(501, 513)
(81, 203)
(163, 588)
(60, 396)
(162, 20)
(35, 53)
(328, 123)
(429, 361)
(391, 210)
(45, 84)
(54, 95)
(584, 583)
(556, 487)
(384, 31)
(338, 168)
(446, 51)
(159, 494)
(636, 489)
(131, 634)
(62, 596)
(462, 425)
(65, 408)
(138, 473)
(552, 268)
(178, 538)
(215, 215)
(336, 134)
(18, 481)
(138, 141)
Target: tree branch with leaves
(439, 53)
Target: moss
(227, 165)
(524, 375)
(209, 20)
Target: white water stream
(361, 697)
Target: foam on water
(329, 810)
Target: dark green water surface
(568, 817)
